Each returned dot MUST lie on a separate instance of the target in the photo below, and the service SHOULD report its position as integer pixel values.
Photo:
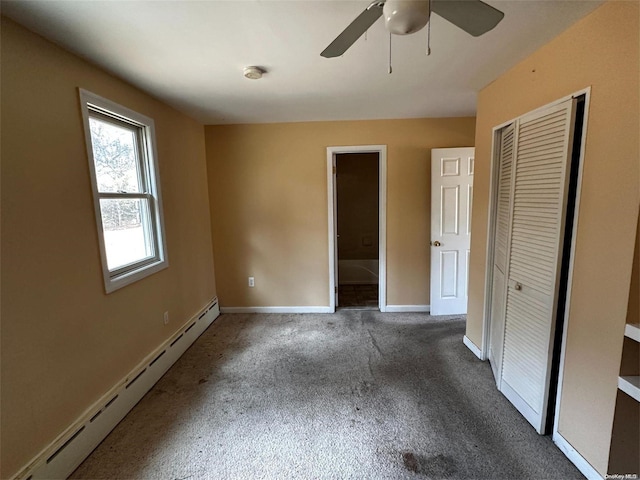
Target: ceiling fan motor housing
(402, 17)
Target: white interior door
(451, 201)
(543, 148)
(502, 232)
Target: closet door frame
(491, 229)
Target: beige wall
(64, 341)
(357, 206)
(600, 51)
(268, 191)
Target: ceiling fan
(402, 17)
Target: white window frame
(93, 105)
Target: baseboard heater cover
(69, 450)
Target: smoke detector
(253, 73)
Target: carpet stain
(410, 462)
(362, 388)
(157, 391)
(436, 466)
(440, 466)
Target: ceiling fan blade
(473, 16)
(354, 31)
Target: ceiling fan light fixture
(253, 72)
(402, 17)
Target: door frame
(492, 216)
(381, 150)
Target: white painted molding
(62, 456)
(631, 386)
(578, 460)
(323, 309)
(632, 330)
(473, 347)
(408, 308)
(331, 227)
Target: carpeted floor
(356, 394)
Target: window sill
(111, 284)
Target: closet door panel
(497, 324)
(504, 199)
(543, 151)
(501, 245)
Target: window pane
(127, 230)
(114, 154)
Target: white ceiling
(191, 55)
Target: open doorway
(357, 226)
(357, 239)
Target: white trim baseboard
(578, 460)
(276, 310)
(62, 456)
(407, 308)
(473, 347)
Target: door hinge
(336, 288)
(334, 169)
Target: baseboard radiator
(67, 452)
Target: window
(126, 191)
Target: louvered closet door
(501, 243)
(543, 150)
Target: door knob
(518, 286)
(436, 243)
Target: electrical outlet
(166, 317)
(252, 282)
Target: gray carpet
(357, 394)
